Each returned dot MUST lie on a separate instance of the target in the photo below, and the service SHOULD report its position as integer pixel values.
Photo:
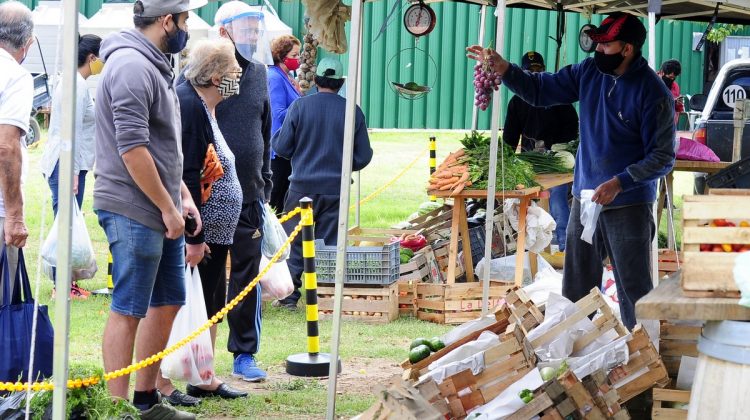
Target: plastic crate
(476, 239)
(364, 264)
(736, 175)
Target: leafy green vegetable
(511, 171)
(546, 162)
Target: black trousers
(245, 319)
(281, 168)
(325, 219)
(213, 273)
(624, 234)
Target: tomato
(720, 222)
(745, 248)
(705, 247)
(730, 224)
(737, 247)
(726, 247)
(717, 248)
(744, 223)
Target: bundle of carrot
(453, 174)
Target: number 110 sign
(732, 94)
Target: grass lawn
(369, 353)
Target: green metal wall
(450, 103)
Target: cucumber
(435, 344)
(418, 342)
(418, 353)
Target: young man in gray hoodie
(139, 195)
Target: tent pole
(480, 41)
(65, 210)
(494, 127)
(358, 175)
(355, 45)
(652, 63)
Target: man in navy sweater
(627, 136)
(312, 138)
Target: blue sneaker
(245, 368)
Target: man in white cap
(16, 96)
(245, 121)
(139, 196)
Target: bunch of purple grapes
(485, 81)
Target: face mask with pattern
(229, 86)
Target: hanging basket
(409, 73)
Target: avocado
(435, 344)
(418, 342)
(419, 353)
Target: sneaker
(163, 411)
(292, 306)
(80, 289)
(245, 368)
(75, 294)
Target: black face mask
(667, 81)
(607, 63)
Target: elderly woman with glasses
(212, 76)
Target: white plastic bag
(274, 235)
(194, 362)
(539, 224)
(742, 277)
(589, 215)
(82, 260)
(277, 283)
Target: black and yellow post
(433, 160)
(313, 363)
(110, 284)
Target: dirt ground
(357, 377)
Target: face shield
(247, 31)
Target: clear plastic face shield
(247, 31)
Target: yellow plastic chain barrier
(80, 383)
(389, 183)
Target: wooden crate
(373, 304)
(568, 397)
(604, 396)
(441, 255)
(407, 297)
(357, 235)
(710, 274)
(675, 341)
(669, 261)
(665, 401)
(586, 306)
(524, 311)
(502, 321)
(400, 400)
(504, 364)
(643, 371)
(456, 303)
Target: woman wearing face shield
(210, 175)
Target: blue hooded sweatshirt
(626, 124)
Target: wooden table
(667, 301)
(683, 166)
(459, 226)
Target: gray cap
(156, 8)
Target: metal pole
(358, 174)
(655, 241)
(355, 44)
(480, 41)
(65, 210)
(495, 127)
(433, 159)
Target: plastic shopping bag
(277, 283)
(274, 235)
(194, 362)
(82, 259)
(589, 215)
(742, 277)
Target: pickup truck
(715, 126)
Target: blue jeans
(147, 268)
(560, 210)
(53, 182)
(624, 234)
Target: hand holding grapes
(487, 76)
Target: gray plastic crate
(364, 264)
